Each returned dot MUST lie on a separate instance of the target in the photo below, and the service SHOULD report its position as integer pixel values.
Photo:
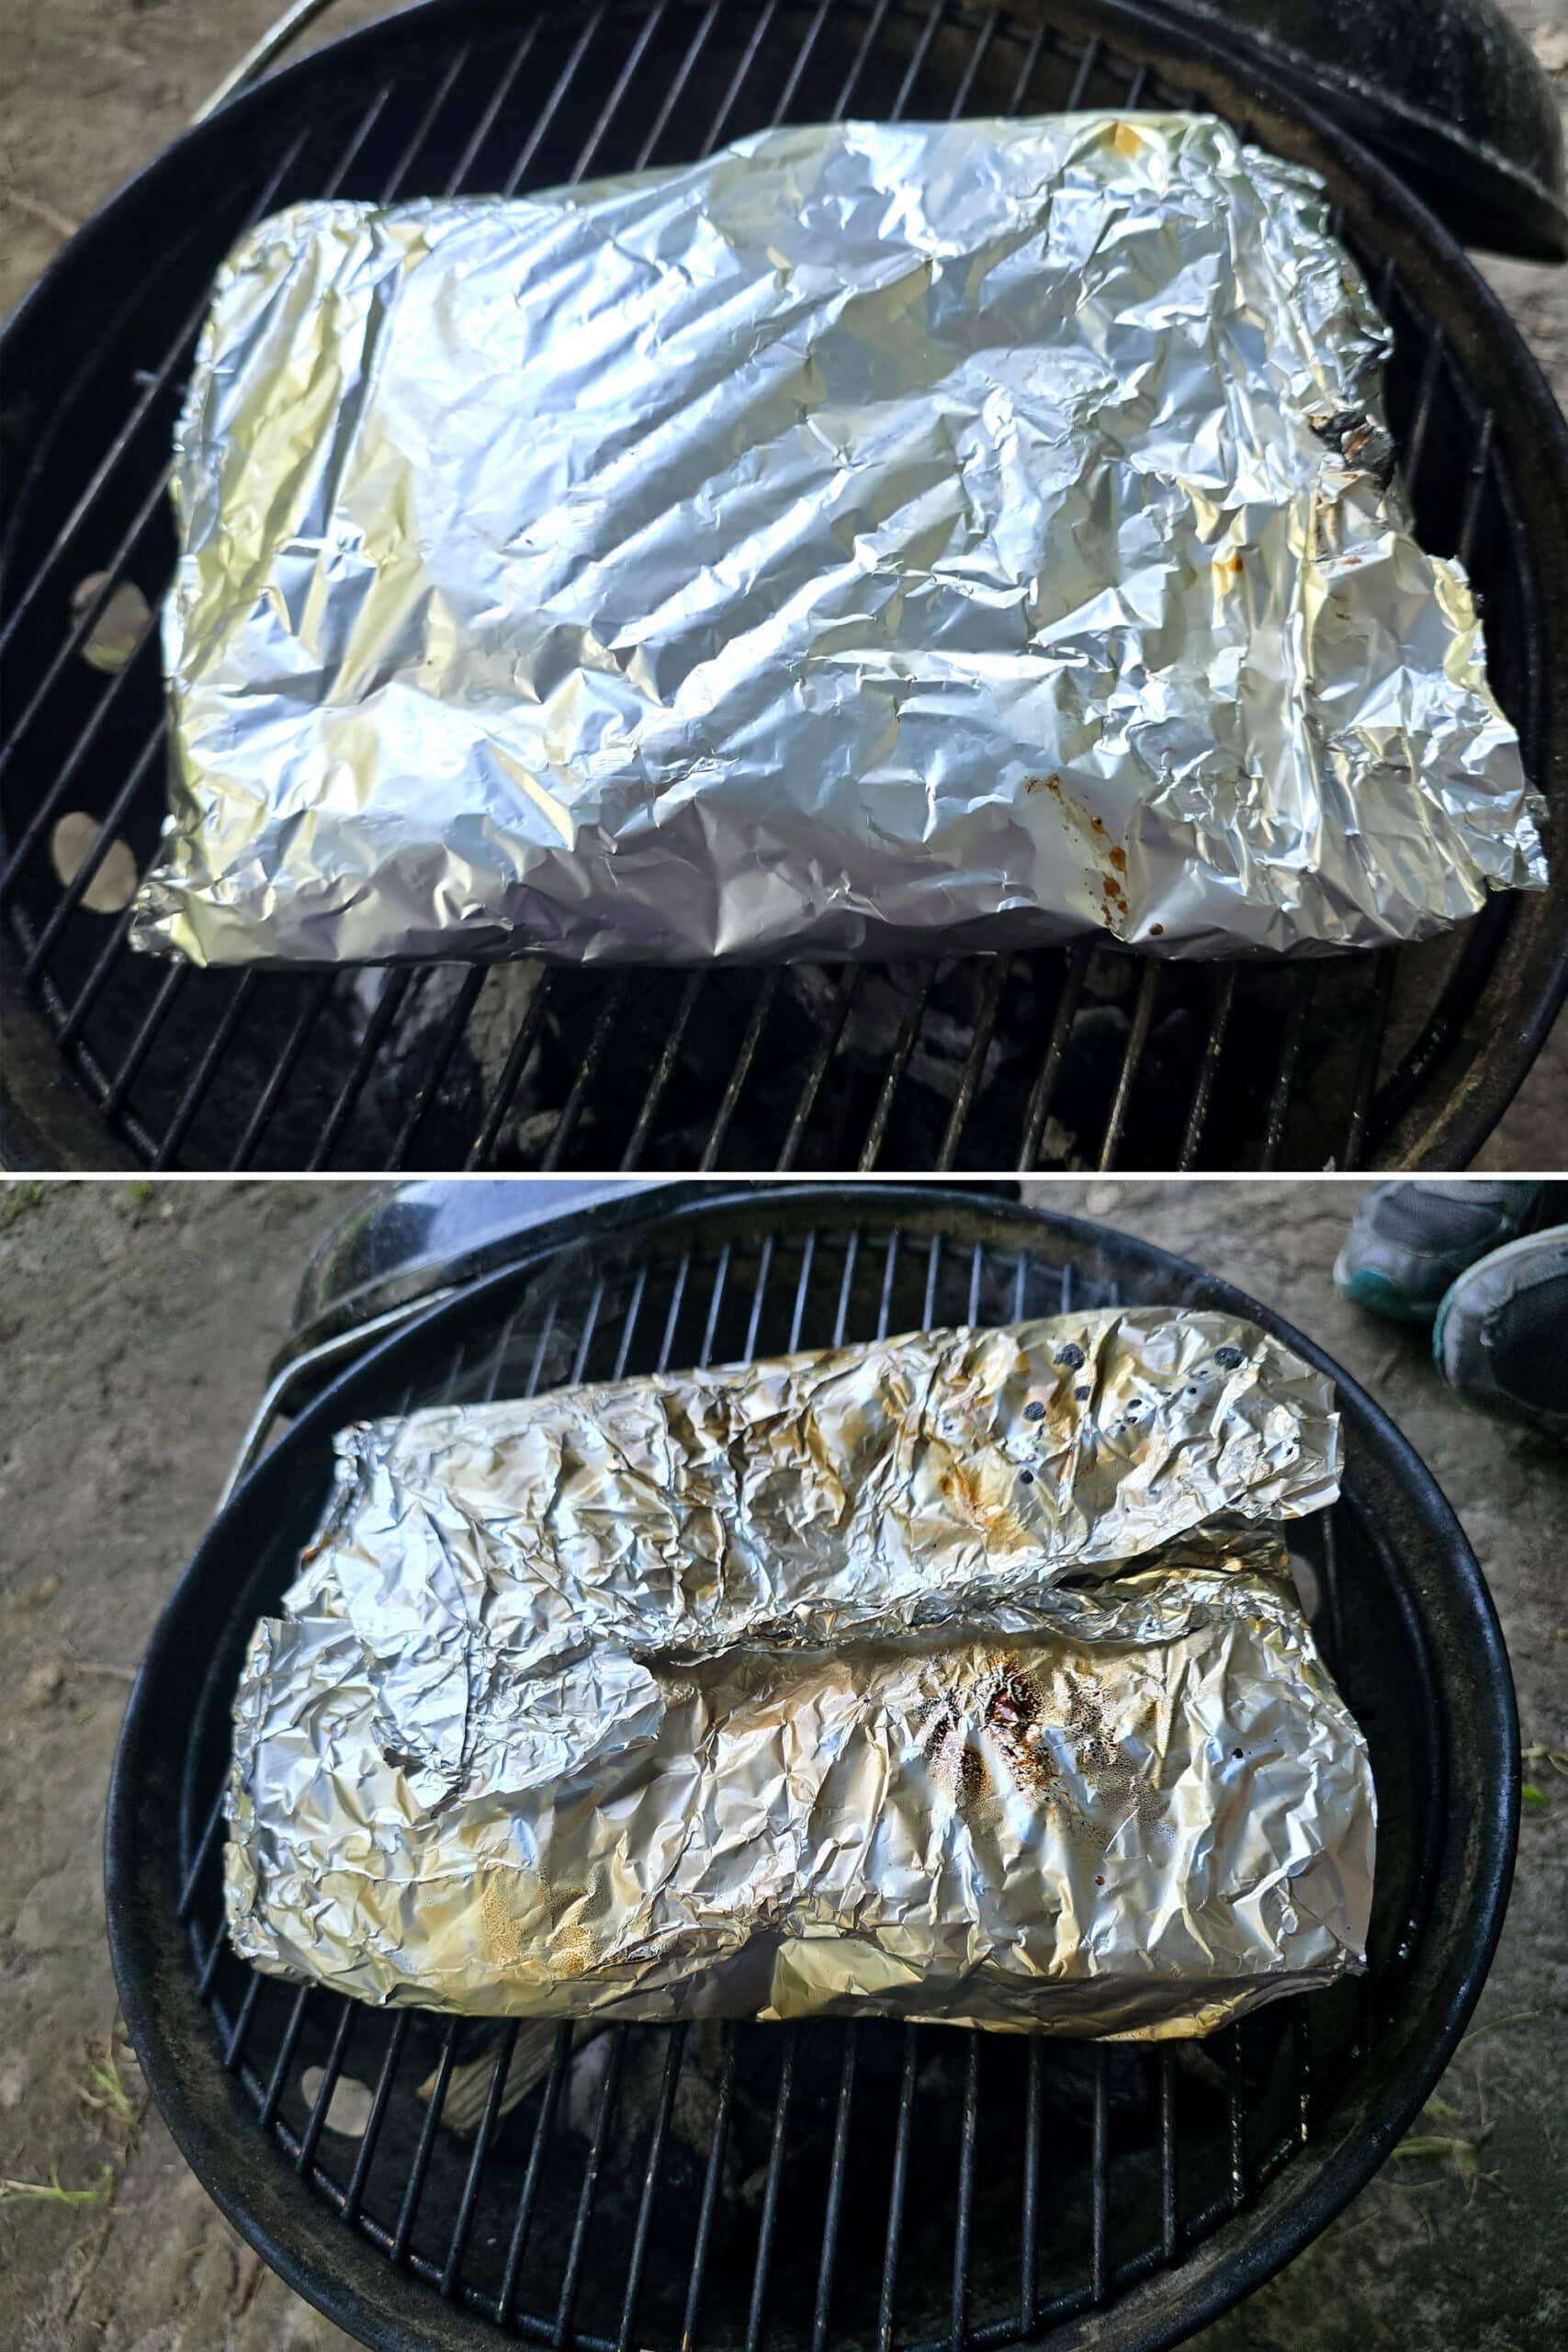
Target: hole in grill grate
(821, 2183)
(1067, 1058)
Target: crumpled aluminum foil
(872, 540)
(958, 1676)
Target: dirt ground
(136, 1324)
(92, 89)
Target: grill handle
(256, 60)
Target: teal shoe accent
(1448, 1300)
(1370, 1287)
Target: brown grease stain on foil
(1114, 906)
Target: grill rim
(343, 2275)
(1474, 1067)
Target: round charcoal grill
(825, 2184)
(1079, 1057)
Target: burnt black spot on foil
(1229, 1359)
(1071, 1355)
(1080, 1392)
(1035, 1412)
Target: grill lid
(1447, 91)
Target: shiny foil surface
(955, 1676)
(872, 540)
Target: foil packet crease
(955, 1676)
(872, 540)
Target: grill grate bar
(498, 1355)
(1374, 1027)
(769, 2220)
(1431, 370)
(738, 1076)
(563, 83)
(674, 94)
(285, 2058)
(323, 2098)
(1132, 1061)
(846, 1282)
(650, 25)
(425, 2146)
(1301, 2050)
(875, 1135)
(282, 1071)
(1213, 1046)
(758, 1290)
(963, 2226)
(1074, 965)
(206, 1071)
(490, 113)
(802, 59)
(389, 1004)
(803, 1283)
(1082, 79)
(212, 1829)
(141, 1044)
(1301, 986)
(674, 2046)
(1475, 488)
(997, 972)
(240, 2028)
(1099, 2182)
(710, 2194)
(867, 41)
(427, 123)
(976, 1272)
(511, 1072)
(900, 2186)
(675, 1038)
(934, 15)
(976, 59)
(889, 1267)
(759, 34)
(1028, 2226)
(816, 1069)
(1168, 2185)
(835, 2186)
(462, 2227)
(634, 1309)
(720, 1274)
(1027, 70)
(933, 1262)
(560, 2058)
(445, 1046)
(1237, 2120)
(677, 1298)
(380, 2102)
(607, 2105)
(590, 1325)
(598, 1045)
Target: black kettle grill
(1065, 1058)
(911, 2189)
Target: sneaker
(1500, 1337)
(1409, 1242)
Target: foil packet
(872, 540)
(955, 1676)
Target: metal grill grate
(719, 2186)
(1079, 1057)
